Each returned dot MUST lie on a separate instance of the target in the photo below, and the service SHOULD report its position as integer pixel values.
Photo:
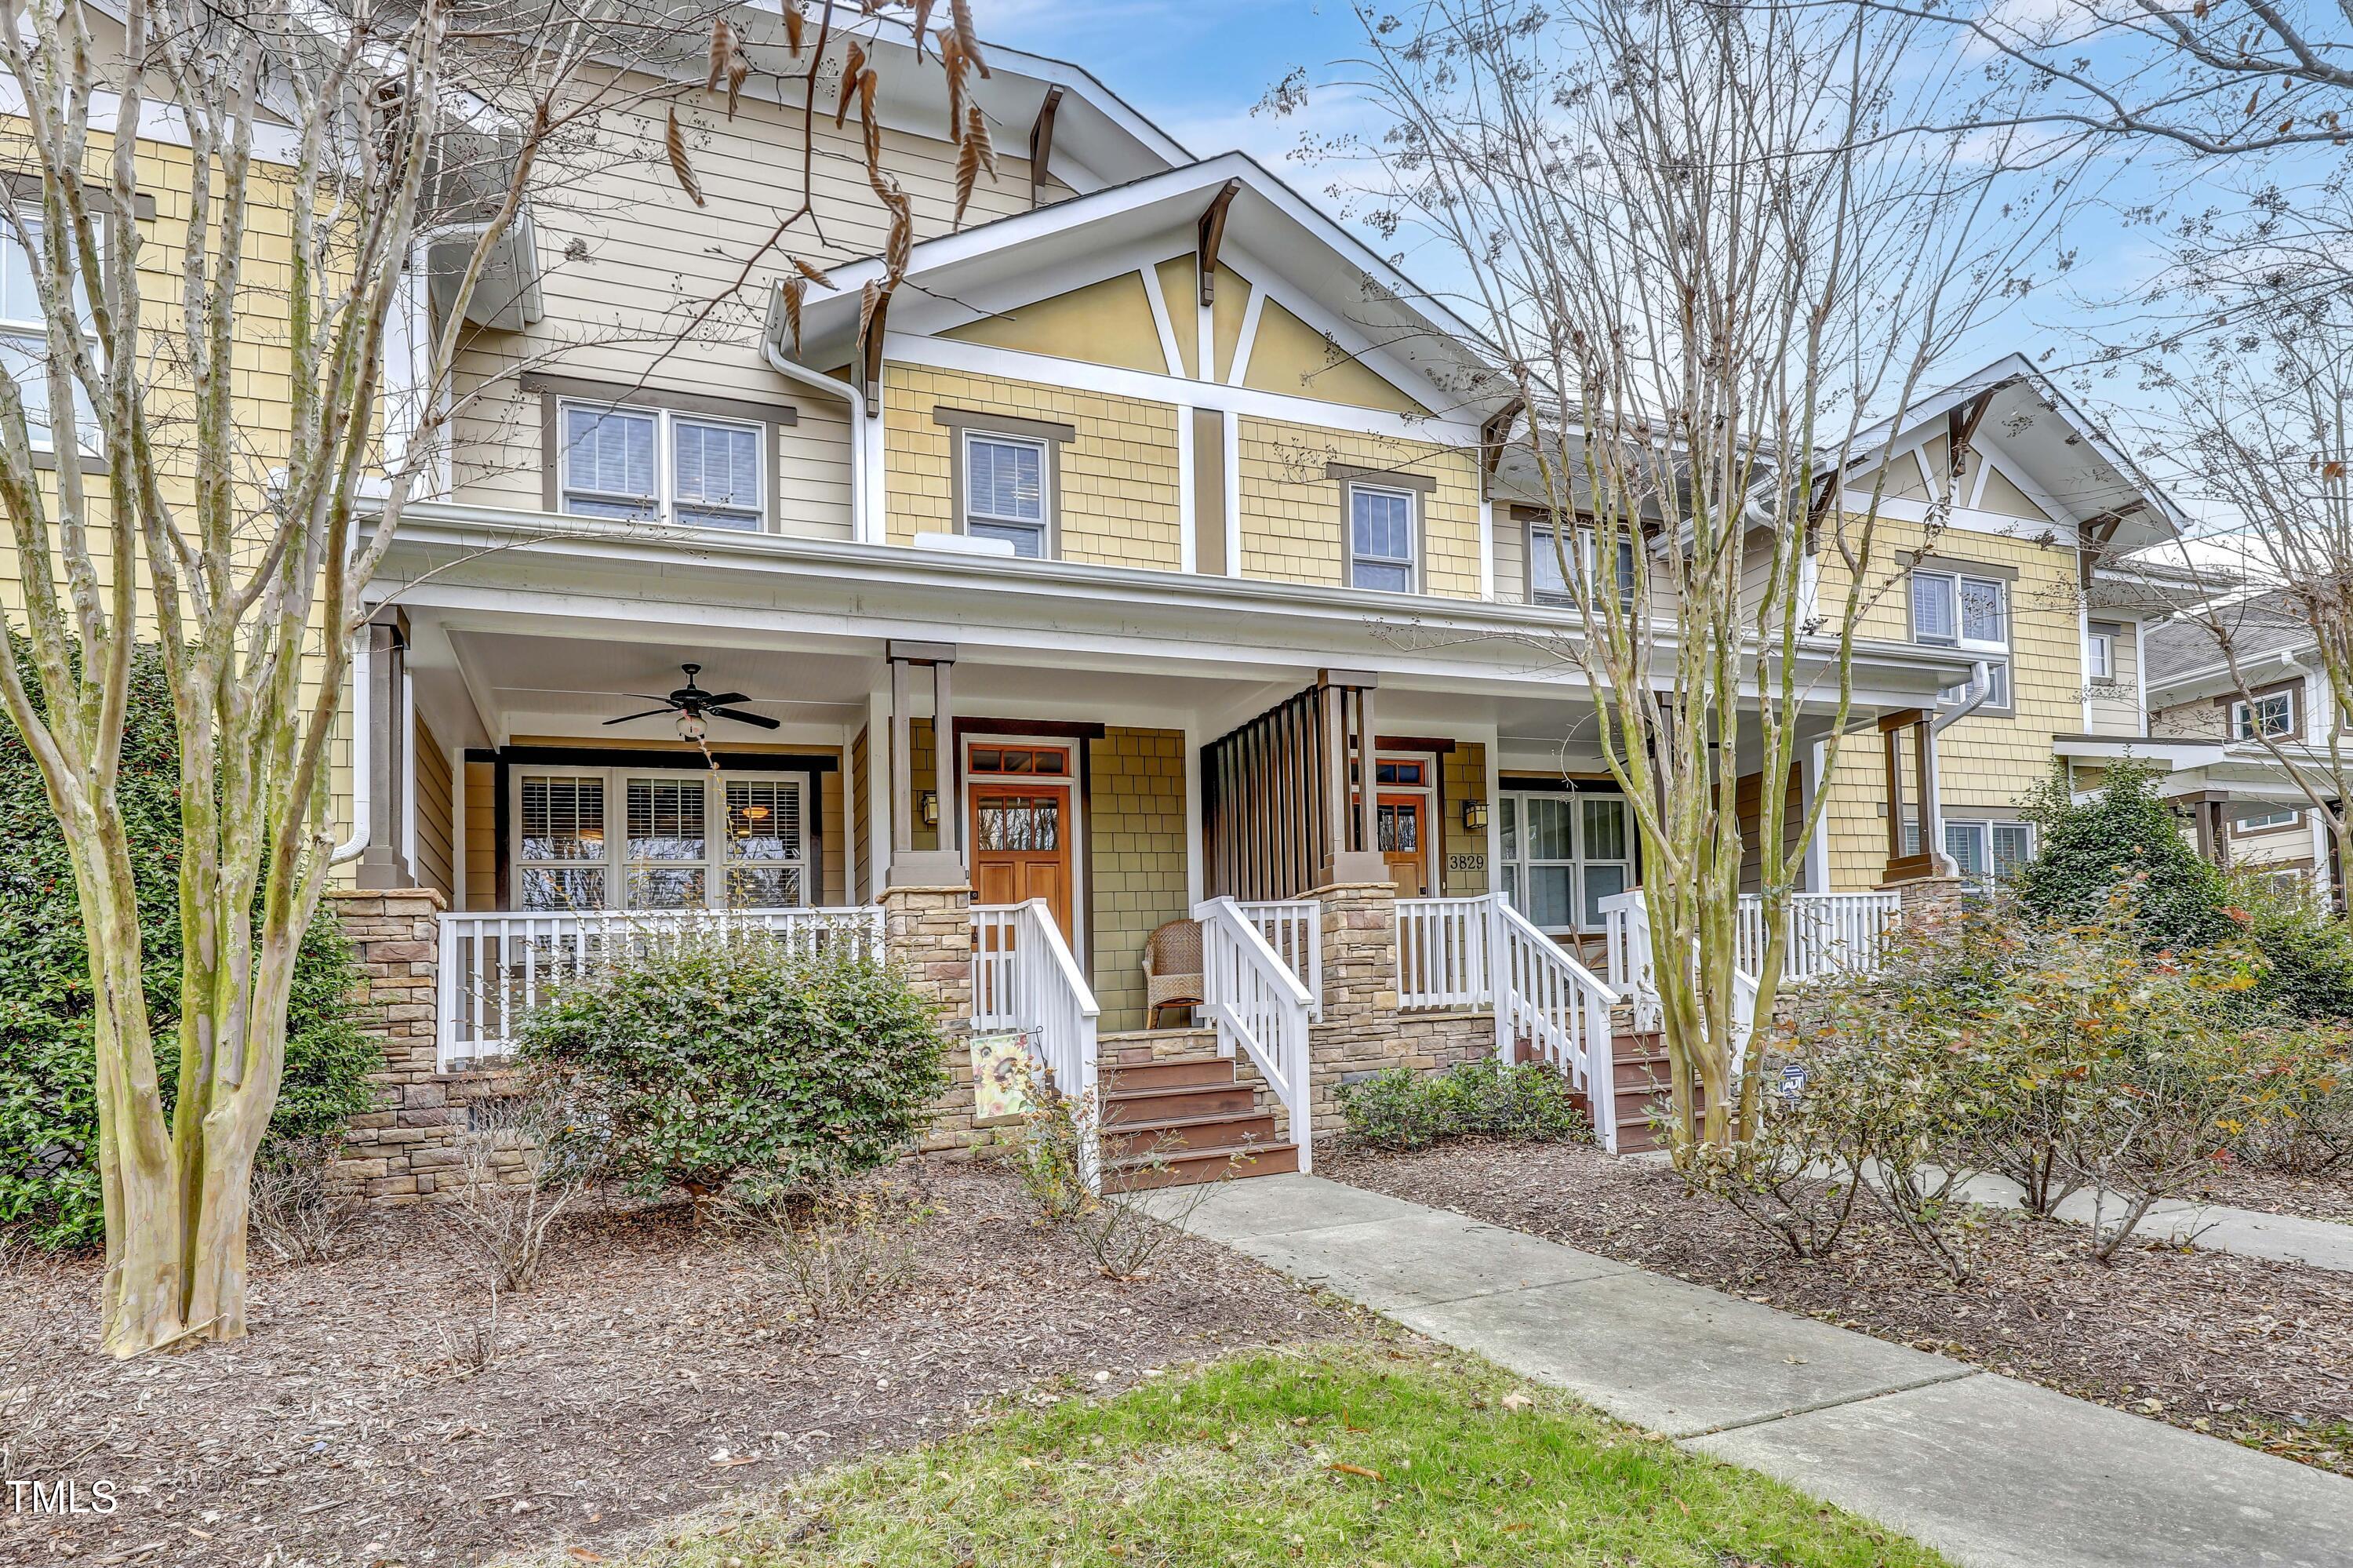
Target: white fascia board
(1014, 364)
(2213, 680)
(2175, 754)
(769, 582)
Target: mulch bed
(2242, 1347)
(650, 1370)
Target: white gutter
(819, 381)
(1973, 698)
(351, 848)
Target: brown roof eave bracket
(1213, 235)
(1495, 431)
(867, 372)
(1041, 143)
(1961, 428)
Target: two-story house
(1148, 552)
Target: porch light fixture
(1474, 815)
(931, 809)
(691, 727)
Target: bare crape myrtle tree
(214, 200)
(1714, 247)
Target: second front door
(1021, 845)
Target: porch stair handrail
(1293, 928)
(1025, 978)
(1255, 1000)
(496, 965)
(1627, 956)
(1544, 995)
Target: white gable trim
(1169, 354)
(1248, 339)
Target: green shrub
(1403, 1109)
(726, 1055)
(49, 1111)
(2121, 836)
(2307, 950)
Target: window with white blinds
(686, 840)
(660, 465)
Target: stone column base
(928, 932)
(1926, 900)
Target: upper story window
(1546, 583)
(25, 339)
(1971, 614)
(1382, 530)
(2271, 715)
(661, 465)
(2100, 653)
(1006, 490)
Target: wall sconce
(1474, 815)
(931, 809)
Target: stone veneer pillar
(397, 1152)
(1359, 1032)
(1925, 900)
(928, 931)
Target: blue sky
(1196, 69)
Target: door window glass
(1021, 823)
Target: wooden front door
(1400, 823)
(1021, 846)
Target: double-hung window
(1563, 854)
(2269, 717)
(1006, 480)
(24, 337)
(1987, 854)
(2100, 653)
(1546, 585)
(1382, 529)
(661, 465)
(1970, 614)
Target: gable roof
(2184, 651)
(2068, 455)
(955, 279)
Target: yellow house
(1128, 614)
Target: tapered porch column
(383, 865)
(912, 867)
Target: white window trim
(2100, 655)
(1963, 644)
(1540, 537)
(614, 862)
(665, 497)
(1578, 861)
(1985, 827)
(2268, 821)
(1412, 561)
(2244, 709)
(37, 329)
(1044, 521)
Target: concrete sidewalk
(1994, 1472)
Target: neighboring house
(2216, 728)
(2002, 507)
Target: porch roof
(2241, 770)
(586, 570)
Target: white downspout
(1973, 698)
(357, 845)
(827, 384)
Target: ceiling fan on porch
(691, 703)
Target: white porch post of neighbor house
(384, 864)
(910, 867)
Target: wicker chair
(1172, 969)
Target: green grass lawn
(1368, 1458)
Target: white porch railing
(496, 966)
(1544, 995)
(1024, 978)
(1443, 952)
(1255, 999)
(1293, 928)
(1830, 933)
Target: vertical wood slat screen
(1275, 795)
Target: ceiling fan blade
(650, 713)
(723, 699)
(763, 720)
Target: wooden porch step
(1188, 1167)
(1171, 1073)
(1179, 1102)
(1255, 1130)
